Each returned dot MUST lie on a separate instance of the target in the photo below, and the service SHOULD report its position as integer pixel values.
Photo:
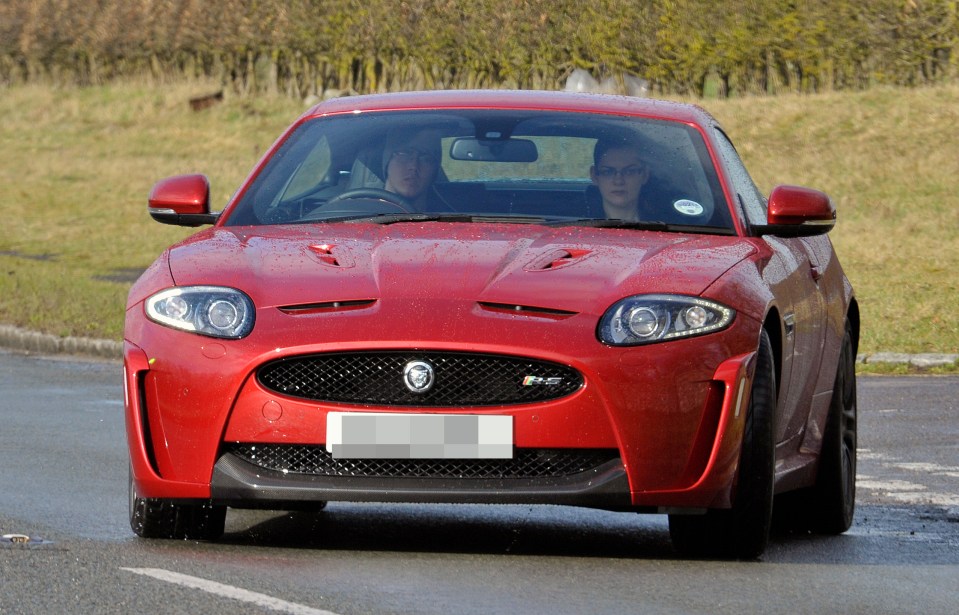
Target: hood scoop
(332, 255)
(558, 258)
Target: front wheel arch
(773, 327)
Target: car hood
(566, 269)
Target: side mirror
(183, 200)
(794, 211)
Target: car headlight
(208, 310)
(645, 319)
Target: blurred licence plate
(371, 435)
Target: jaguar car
(496, 297)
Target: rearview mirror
(794, 211)
(494, 150)
(183, 200)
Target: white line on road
(228, 591)
(930, 468)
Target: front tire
(741, 532)
(159, 518)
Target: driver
(411, 160)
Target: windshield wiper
(509, 219)
(412, 217)
(651, 225)
(431, 217)
(383, 218)
(614, 223)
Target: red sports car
(497, 297)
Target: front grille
(461, 379)
(526, 463)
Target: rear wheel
(828, 506)
(158, 518)
(742, 531)
(833, 499)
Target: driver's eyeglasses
(409, 156)
(628, 172)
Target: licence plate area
(372, 435)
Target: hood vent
(332, 255)
(526, 310)
(326, 306)
(558, 258)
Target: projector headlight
(207, 310)
(644, 319)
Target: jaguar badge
(418, 376)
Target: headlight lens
(644, 319)
(208, 310)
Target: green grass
(901, 369)
(76, 166)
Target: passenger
(620, 172)
(411, 160)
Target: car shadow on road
(880, 534)
(507, 530)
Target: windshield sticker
(688, 208)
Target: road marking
(893, 485)
(930, 468)
(228, 591)
(907, 491)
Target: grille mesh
(461, 379)
(527, 463)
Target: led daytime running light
(645, 319)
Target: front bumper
(671, 413)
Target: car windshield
(542, 167)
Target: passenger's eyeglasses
(627, 173)
(409, 156)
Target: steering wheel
(378, 194)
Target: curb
(15, 338)
(923, 360)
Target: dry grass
(75, 168)
(890, 160)
(76, 165)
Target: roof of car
(514, 99)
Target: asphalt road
(63, 485)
